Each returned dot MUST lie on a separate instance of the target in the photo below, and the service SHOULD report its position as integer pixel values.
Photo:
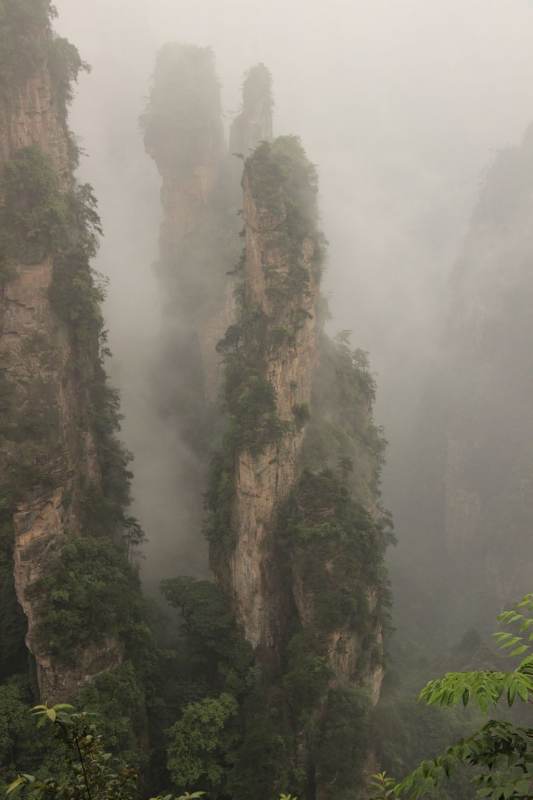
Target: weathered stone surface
(264, 480)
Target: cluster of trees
(499, 753)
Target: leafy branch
(500, 753)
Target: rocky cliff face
(296, 531)
(53, 455)
(279, 284)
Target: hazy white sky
(401, 104)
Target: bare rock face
(265, 479)
(40, 528)
(32, 118)
(296, 527)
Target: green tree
(83, 769)
(499, 753)
(200, 742)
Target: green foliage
(88, 592)
(105, 506)
(83, 770)
(342, 428)
(322, 524)
(219, 499)
(252, 421)
(404, 733)
(37, 419)
(184, 796)
(28, 45)
(64, 65)
(283, 181)
(39, 220)
(486, 688)
(284, 186)
(30, 437)
(251, 404)
(19, 748)
(70, 757)
(326, 539)
(308, 674)
(500, 754)
(75, 292)
(33, 214)
(252, 424)
(249, 400)
(342, 747)
(208, 658)
(22, 23)
(218, 650)
(205, 611)
(263, 764)
(217, 659)
(336, 549)
(118, 698)
(200, 742)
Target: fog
(402, 106)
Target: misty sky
(402, 105)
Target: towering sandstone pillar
(63, 476)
